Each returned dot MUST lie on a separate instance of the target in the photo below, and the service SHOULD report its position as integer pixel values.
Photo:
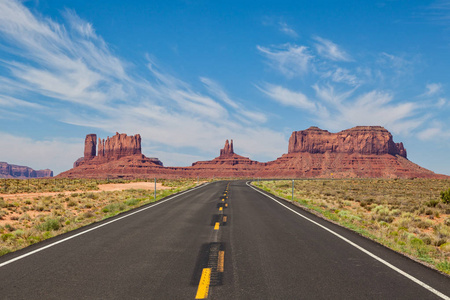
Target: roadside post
(292, 189)
(155, 188)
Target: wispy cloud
(287, 97)
(330, 50)
(342, 75)
(435, 130)
(339, 110)
(432, 89)
(290, 60)
(215, 89)
(286, 29)
(68, 68)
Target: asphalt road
(247, 246)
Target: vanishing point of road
(222, 240)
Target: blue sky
(187, 75)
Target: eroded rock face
(119, 146)
(22, 172)
(90, 146)
(227, 150)
(361, 139)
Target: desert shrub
(6, 236)
(49, 224)
(432, 203)
(416, 242)
(10, 227)
(423, 225)
(91, 196)
(132, 202)
(71, 203)
(445, 196)
(88, 214)
(447, 222)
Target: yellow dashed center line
(203, 286)
(220, 261)
(216, 227)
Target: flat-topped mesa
(360, 139)
(119, 146)
(227, 150)
(14, 171)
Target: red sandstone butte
(360, 139)
(362, 151)
(359, 152)
(228, 164)
(118, 156)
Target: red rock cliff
(227, 150)
(119, 146)
(360, 139)
(90, 145)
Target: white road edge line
(424, 285)
(94, 228)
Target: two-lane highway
(223, 241)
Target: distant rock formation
(119, 146)
(359, 152)
(22, 172)
(362, 151)
(227, 150)
(360, 139)
(113, 148)
(228, 164)
(116, 156)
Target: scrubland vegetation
(64, 205)
(411, 216)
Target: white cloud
(429, 133)
(286, 29)
(433, 89)
(216, 90)
(342, 75)
(290, 60)
(7, 101)
(330, 50)
(287, 97)
(441, 102)
(70, 65)
(57, 155)
(340, 110)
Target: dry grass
(27, 218)
(403, 214)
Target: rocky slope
(22, 172)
